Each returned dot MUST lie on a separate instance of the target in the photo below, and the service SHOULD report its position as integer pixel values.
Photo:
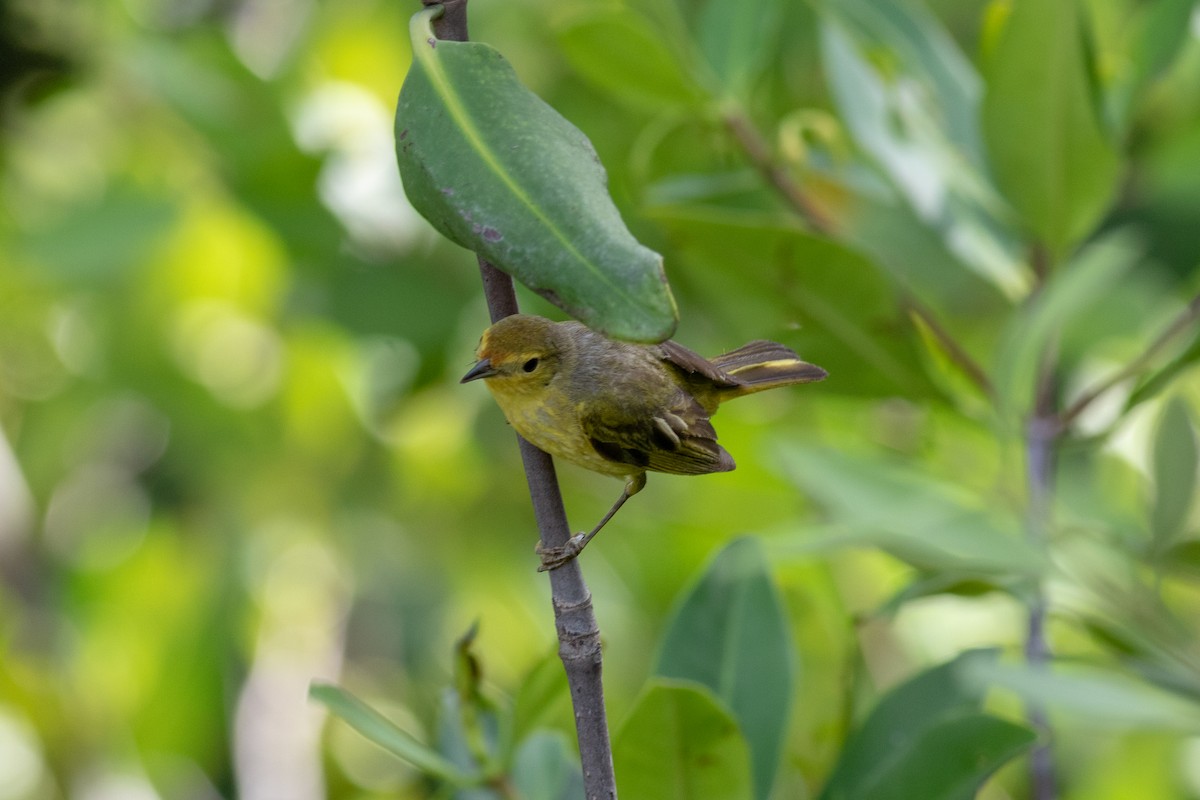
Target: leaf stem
(575, 620)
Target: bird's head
(518, 354)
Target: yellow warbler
(619, 408)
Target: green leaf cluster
(711, 720)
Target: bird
(619, 408)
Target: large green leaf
(730, 634)
(1048, 151)
(927, 738)
(498, 171)
(680, 744)
(1174, 473)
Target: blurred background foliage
(234, 455)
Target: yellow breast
(553, 425)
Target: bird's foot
(555, 557)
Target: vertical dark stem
(574, 618)
(1041, 443)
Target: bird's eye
(530, 365)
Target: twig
(1042, 433)
(1181, 323)
(574, 618)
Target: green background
(235, 456)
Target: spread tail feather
(763, 365)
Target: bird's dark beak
(483, 369)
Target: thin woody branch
(1041, 449)
(575, 620)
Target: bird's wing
(688, 361)
(674, 437)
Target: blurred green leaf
(374, 726)
(931, 524)
(918, 258)
(545, 768)
(472, 735)
(730, 634)
(737, 38)
(927, 738)
(478, 720)
(1174, 460)
(1070, 291)
(910, 99)
(920, 48)
(943, 583)
(100, 243)
(949, 760)
(499, 172)
(1184, 558)
(1160, 36)
(544, 697)
(1096, 696)
(761, 270)
(679, 743)
(1049, 154)
(618, 51)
